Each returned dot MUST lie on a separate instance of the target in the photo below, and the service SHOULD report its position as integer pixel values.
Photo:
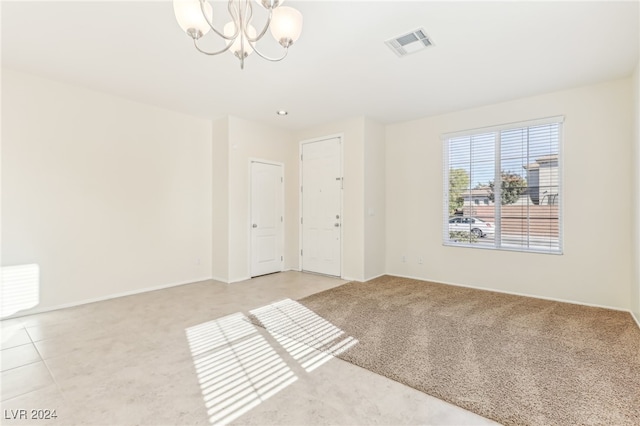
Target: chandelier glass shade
(285, 23)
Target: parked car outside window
(477, 227)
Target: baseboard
(636, 318)
(222, 280)
(553, 299)
(35, 311)
(373, 278)
(238, 280)
(162, 287)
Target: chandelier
(240, 37)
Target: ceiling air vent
(409, 43)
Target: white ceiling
(484, 52)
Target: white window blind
(502, 187)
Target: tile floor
(186, 356)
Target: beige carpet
(516, 360)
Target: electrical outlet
(420, 261)
(404, 259)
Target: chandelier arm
(243, 23)
(204, 15)
(264, 30)
(236, 17)
(284, 55)
(195, 43)
(248, 11)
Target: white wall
(107, 196)
(595, 267)
(635, 284)
(374, 200)
(243, 139)
(110, 196)
(248, 140)
(353, 131)
(220, 188)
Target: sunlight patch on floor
(309, 338)
(236, 367)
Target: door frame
(340, 137)
(249, 218)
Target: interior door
(321, 206)
(267, 231)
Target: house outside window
(508, 180)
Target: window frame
(497, 129)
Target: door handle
(336, 224)
(255, 225)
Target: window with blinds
(502, 187)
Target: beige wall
(106, 195)
(595, 266)
(374, 199)
(353, 132)
(220, 199)
(248, 140)
(635, 285)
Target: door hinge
(301, 221)
(281, 219)
(300, 157)
(300, 252)
(300, 188)
(281, 258)
(281, 180)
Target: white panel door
(266, 218)
(321, 206)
